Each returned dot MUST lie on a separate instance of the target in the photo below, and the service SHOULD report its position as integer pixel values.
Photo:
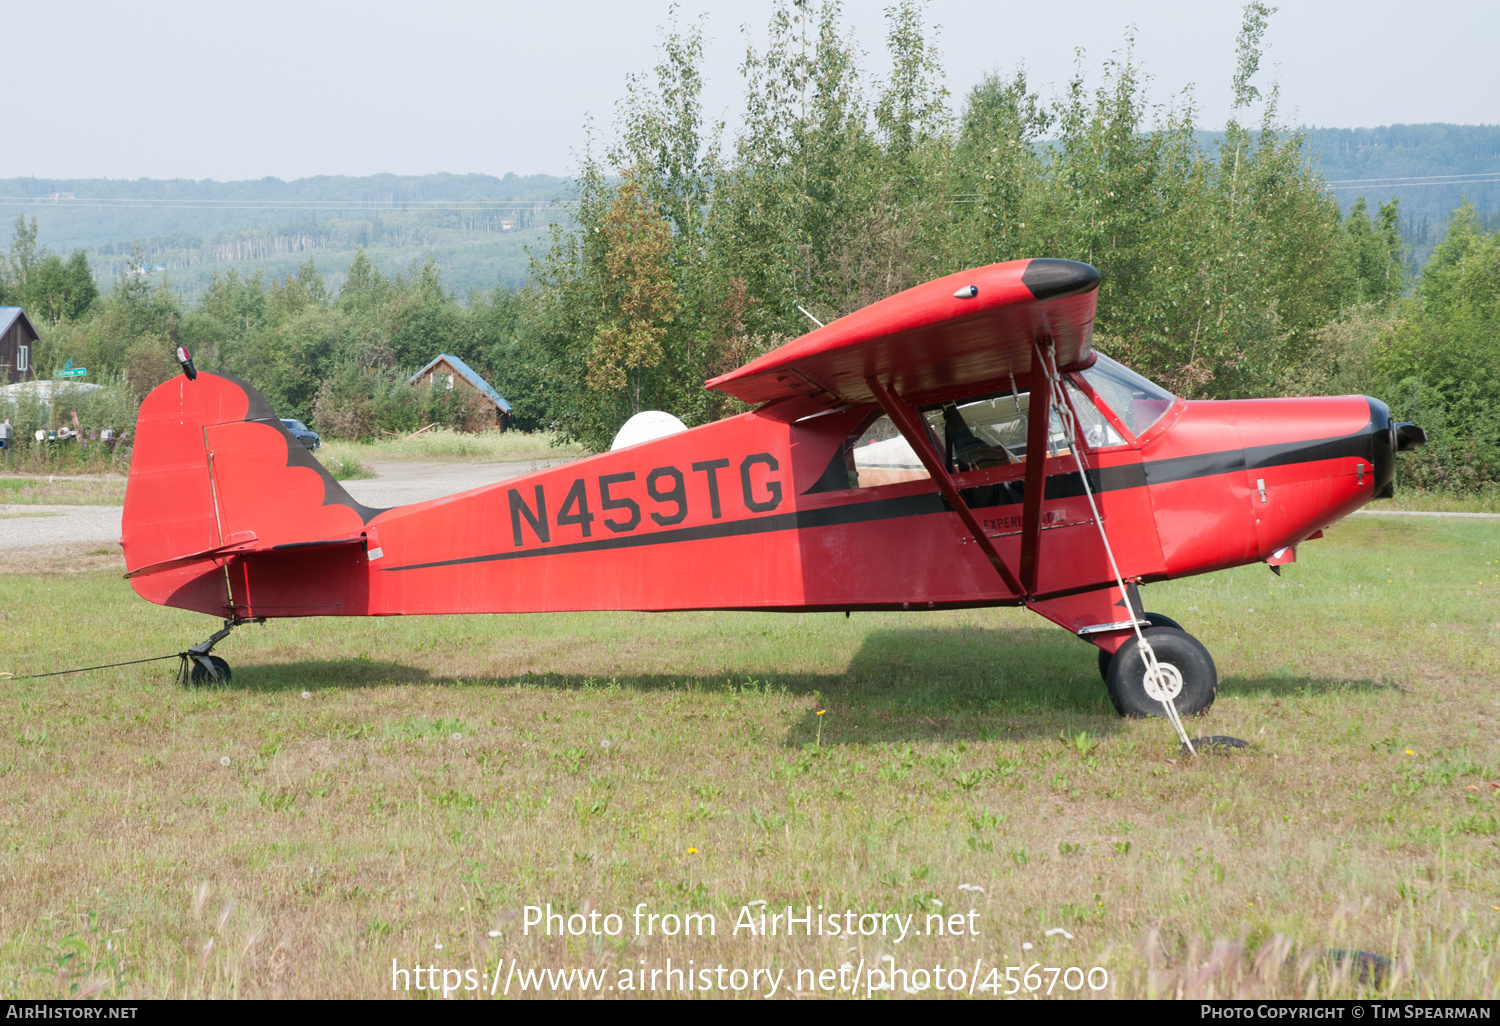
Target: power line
(1411, 185)
(1487, 175)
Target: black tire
(1127, 674)
(200, 675)
(1157, 620)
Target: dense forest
(1229, 269)
(1434, 169)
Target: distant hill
(1429, 168)
(476, 226)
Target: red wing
(932, 342)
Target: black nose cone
(1048, 278)
(1388, 437)
(1382, 448)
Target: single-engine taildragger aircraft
(957, 445)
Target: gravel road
(399, 484)
(35, 526)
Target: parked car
(302, 433)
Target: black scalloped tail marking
(1049, 278)
(260, 412)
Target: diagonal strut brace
(909, 423)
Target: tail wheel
(1180, 654)
(1157, 620)
(201, 675)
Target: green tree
(1372, 256)
(638, 298)
(1442, 368)
(24, 255)
(50, 288)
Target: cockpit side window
(989, 432)
(983, 433)
(973, 434)
(1138, 403)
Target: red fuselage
(751, 512)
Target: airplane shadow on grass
(932, 684)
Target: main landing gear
(1182, 658)
(199, 667)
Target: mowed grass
(442, 773)
(63, 490)
(1484, 501)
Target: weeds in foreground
(344, 466)
(62, 490)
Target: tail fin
(226, 513)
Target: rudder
(226, 513)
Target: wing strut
(1038, 416)
(909, 423)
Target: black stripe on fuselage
(1257, 457)
(1010, 493)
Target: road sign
(74, 372)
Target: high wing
(957, 336)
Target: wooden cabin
(448, 371)
(17, 343)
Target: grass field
(441, 445)
(401, 788)
(63, 490)
(1483, 501)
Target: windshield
(1137, 402)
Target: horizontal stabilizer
(242, 544)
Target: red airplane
(957, 445)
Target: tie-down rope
(1163, 682)
(85, 669)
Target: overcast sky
(290, 89)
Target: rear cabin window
(882, 456)
(1138, 403)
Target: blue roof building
(447, 370)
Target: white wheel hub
(1165, 684)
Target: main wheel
(200, 675)
(1179, 654)
(1157, 620)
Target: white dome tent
(646, 426)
